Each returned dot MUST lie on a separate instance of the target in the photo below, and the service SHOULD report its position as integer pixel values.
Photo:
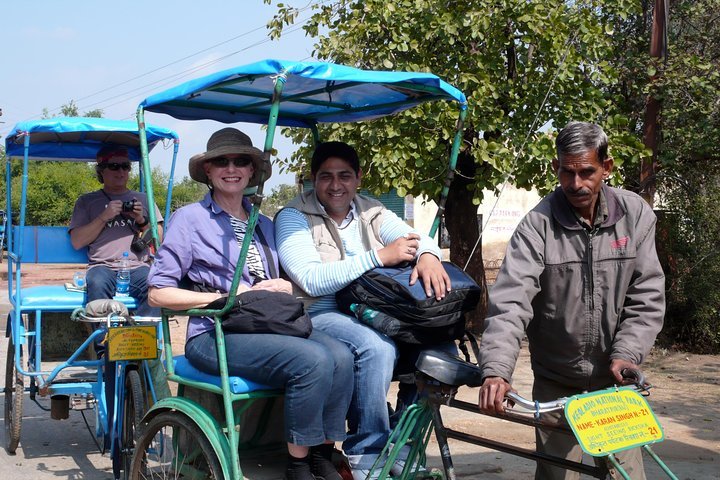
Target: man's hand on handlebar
(625, 372)
(492, 394)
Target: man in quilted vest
(328, 237)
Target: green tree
(160, 181)
(187, 191)
(523, 65)
(688, 85)
(279, 197)
(65, 181)
(71, 110)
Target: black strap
(266, 249)
(472, 340)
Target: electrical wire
(172, 78)
(570, 40)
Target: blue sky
(112, 55)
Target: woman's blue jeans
(316, 374)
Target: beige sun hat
(229, 141)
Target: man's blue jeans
(316, 373)
(375, 356)
(100, 282)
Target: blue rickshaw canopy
(78, 139)
(314, 92)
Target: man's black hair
(340, 150)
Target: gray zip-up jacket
(582, 298)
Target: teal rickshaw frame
(279, 93)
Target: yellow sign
(132, 343)
(612, 420)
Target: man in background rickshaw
(329, 236)
(581, 278)
(111, 221)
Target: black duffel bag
(264, 311)
(384, 299)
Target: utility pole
(658, 49)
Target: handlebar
(80, 315)
(637, 377)
(535, 407)
(522, 405)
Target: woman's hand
(180, 299)
(274, 285)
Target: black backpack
(384, 299)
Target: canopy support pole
(451, 172)
(147, 178)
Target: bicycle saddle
(448, 369)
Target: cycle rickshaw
(179, 437)
(74, 383)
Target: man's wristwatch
(143, 224)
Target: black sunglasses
(116, 166)
(222, 162)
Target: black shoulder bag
(384, 299)
(264, 311)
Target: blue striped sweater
(301, 261)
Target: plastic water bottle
(122, 282)
(79, 280)
(380, 321)
(363, 313)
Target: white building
(499, 217)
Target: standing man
(582, 279)
(107, 221)
(328, 237)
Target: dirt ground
(684, 398)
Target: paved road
(49, 448)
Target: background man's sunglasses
(223, 162)
(116, 166)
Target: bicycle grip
(634, 374)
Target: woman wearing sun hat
(202, 243)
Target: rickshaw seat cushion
(57, 298)
(237, 384)
(448, 369)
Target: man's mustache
(579, 192)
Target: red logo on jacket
(619, 243)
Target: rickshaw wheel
(173, 446)
(14, 389)
(134, 409)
